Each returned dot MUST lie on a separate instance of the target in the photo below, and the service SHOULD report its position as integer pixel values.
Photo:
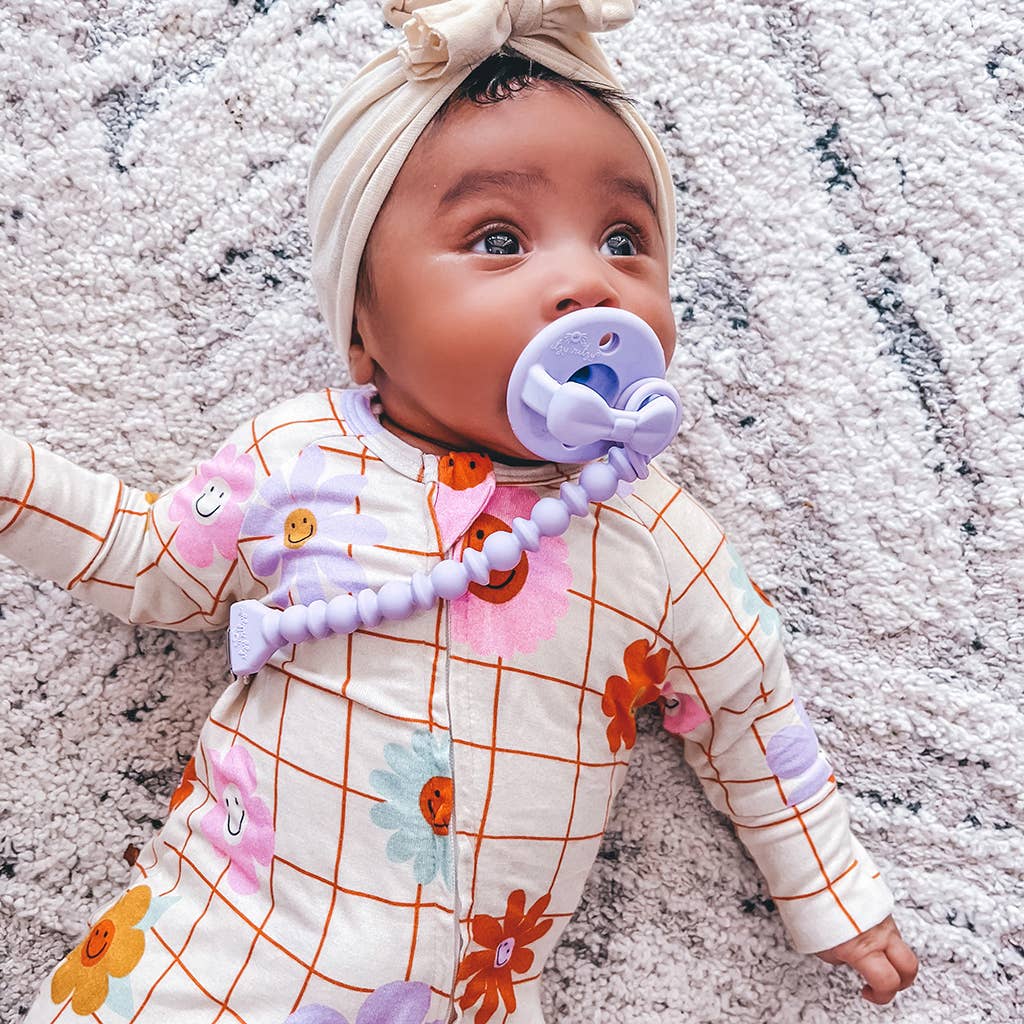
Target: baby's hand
(880, 957)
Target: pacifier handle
(590, 382)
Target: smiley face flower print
(309, 531)
(418, 798)
(516, 608)
(95, 973)
(209, 507)
(239, 826)
(504, 953)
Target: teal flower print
(418, 798)
(754, 601)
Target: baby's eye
(503, 241)
(617, 239)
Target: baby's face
(467, 272)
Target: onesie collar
(361, 409)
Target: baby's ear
(360, 365)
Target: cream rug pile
(850, 298)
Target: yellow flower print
(112, 948)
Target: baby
(396, 824)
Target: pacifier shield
(570, 349)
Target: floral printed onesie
(397, 824)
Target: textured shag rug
(850, 300)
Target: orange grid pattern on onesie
(404, 817)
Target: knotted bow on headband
(447, 35)
(375, 121)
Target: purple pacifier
(591, 382)
(582, 382)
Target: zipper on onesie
(452, 820)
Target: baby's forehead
(541, 117)
(452, 167)
(486, 180)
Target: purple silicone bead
(293, 624)
(369, 608)
(450, 579)
(478, 567)
(342, 614)
(316, 619)
(599, 480)
(503, 551)
(423, 591)
(575, 498)
(395, 600)
(526, 533)
(551, 516)
(270, 627)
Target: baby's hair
(508, 72)
(499, 77)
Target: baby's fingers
(902, 957)
(883, 980)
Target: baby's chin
(499, 445)
(510, 453)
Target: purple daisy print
(308, 529)
(793, 754)
(400, 1002)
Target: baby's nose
(580, 278)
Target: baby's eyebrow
(631, 187)
(479, 182)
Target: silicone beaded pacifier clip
(591, 382)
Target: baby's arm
(154, 559)
(747, 737)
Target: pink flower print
(239, 825)
(209, 507)
(519, 607)
(682, 713)
(308, 532)
(793, 754)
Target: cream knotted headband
(374, 123)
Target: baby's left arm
(727, 692)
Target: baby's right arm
(164, 560)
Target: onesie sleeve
(164, 560)
(727, 692)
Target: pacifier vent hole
(609, 343)
(599, 378)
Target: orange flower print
(645, 674)
(111, 950)
(504, 952)
(185, 787)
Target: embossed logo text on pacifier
(572, 343)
